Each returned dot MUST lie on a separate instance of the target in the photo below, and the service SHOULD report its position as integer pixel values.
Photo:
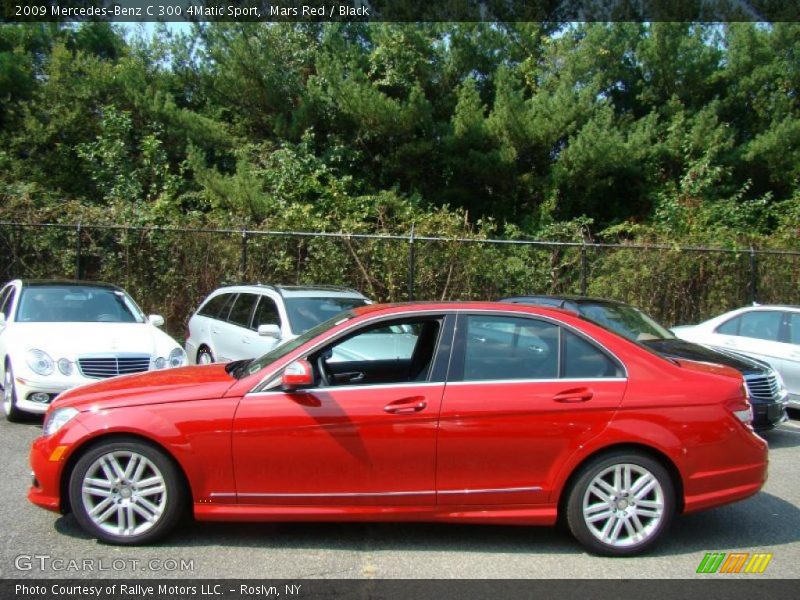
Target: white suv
(246, 321)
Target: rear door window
(242, 309)
(761, 325)
(213, 307)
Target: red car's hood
(153, 387)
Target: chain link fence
(170, 270)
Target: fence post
(78, 251)
(243, 266)
(753, 276)
(583, 268)
(411, 264)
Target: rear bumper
(717, 486)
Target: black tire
(171, 503)
(623, 508)
(204, 351)
(13, 414)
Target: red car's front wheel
(126, 492)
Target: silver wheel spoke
(602, 494)
(644, 491)
(607, 514)
(98, 508)
(104, 516)
(147, 509)
(132, 465)
(115, 466)
(637, 524)
(618, 478)
(612, 537)
(97, 491)
(647, 512)
(156, 489)
(626, 478)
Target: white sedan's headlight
(40, 362)
(782, 391)
(66, 366)
(58, 418)
(177, 358)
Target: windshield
(76, 304)
(626, 321)
(285, 348)
(305, 313)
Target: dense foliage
(663, 132)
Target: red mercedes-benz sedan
(471, 412)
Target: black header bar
(556, 11)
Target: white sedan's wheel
(204, 356)
(10, 409)
(126, 492)
(621, 504)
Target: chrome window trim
(571, 328)
(530, 381)
(444, 311)
(340, 388)
(332, 337)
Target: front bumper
(48, 460)
(26, 387)
(768, 415)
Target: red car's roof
(402, 307)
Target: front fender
(197, 434)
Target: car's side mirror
(156, 320)
(297, 375)
(269, 331)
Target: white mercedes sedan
(56, 335)
(770, 333)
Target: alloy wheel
(8, 391)
(623, 505)
(124, 493)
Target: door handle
(245, 340)
(574, 395)
(214, 331)
(349, 377)
(406, 406)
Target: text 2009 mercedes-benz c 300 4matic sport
(462, 412)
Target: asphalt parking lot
(40, 544)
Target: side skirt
(508, 515)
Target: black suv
(766, 395)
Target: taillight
(741, 407)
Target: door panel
(513, 436)
(522, 395)
(338, 446)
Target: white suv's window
(242, 310)
(305, 313)
(266, 313)
(213, 307)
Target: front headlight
(782, 391)
(177, 358)
(65, 365)
(58, 418)
(40, 362)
